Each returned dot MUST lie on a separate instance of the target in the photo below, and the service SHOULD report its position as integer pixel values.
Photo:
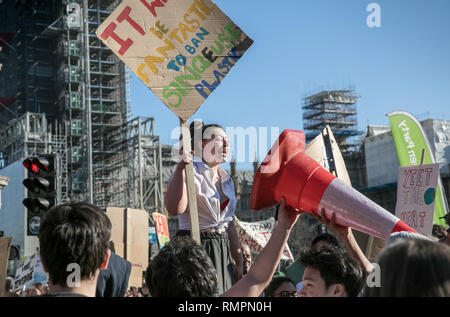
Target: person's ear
(105, 262)
(338, 290)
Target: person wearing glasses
(216, 201)
(281, 287)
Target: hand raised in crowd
(342, 232)
(345, 234)
(287, 216)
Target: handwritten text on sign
(162, 229)
(182, 50)
(416, 196)
(256, 235)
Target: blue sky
(302, 45)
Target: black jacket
(113, 281)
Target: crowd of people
(335, 266)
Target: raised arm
(345, 234)
(261, 272)
(176, 198)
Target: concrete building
(382, 162)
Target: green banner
(410, 140)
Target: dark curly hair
(75, 232)
(275, 284)
(326, 237)
(335, 267)
(181, 269)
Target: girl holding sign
(216, 201)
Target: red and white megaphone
(288, 172)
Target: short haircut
(181, 269)
(276, 283)
(199, 127)
(326, 237)
(75, 232)
(414, 268)
(335, 267)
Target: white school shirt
(208, 199)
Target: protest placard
(162, 229)
(129, 234)
(25, 271)
(256, 234)
(416, 196)
(182, 50)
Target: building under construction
(62, 91)
(336, 108)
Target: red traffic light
(43, 164)
(35, 164)
(29, 165)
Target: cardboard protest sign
(256, 235)
(181, 50)
(129, 233)
(162, 229)
(416, 196)
(325, 150)
(25, 271)
(5, 244)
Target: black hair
(327, 237)
(414, 268)
(335, 267)
(75, 232)
(181, 269)
(275, 284)
(197, 130)
(439, 232)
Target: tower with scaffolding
(62, 91)
(336, 108)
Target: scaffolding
(336, 108)
(57, 66)
(30, 135)
(132, 173)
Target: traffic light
(41, 185)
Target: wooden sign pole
(192, 196)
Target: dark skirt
(217, 246)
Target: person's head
(134, 292)
(417, 268)
(75, 234)
(209, 142)
(280, 287)
(181, 269)
(9, 284)
(325, 240)
(441, 234)
(247, 255)
(32, 291)
(330, 272)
